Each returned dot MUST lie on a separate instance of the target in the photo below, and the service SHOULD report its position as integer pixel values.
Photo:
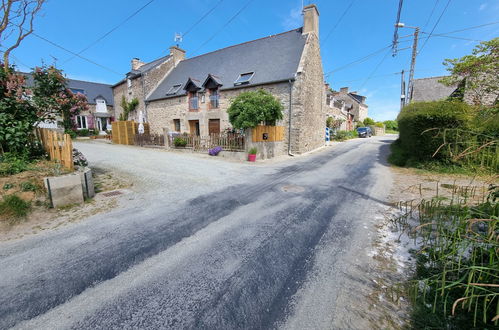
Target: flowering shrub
(214, 151)
(79, 159)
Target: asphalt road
(284, 246)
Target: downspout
(290, 113)
(144, 96)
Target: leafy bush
(368, 121)
(379, 124)
(71, 133)
(416, 121)
(345, 135)
(83, 132)
(253, 151)
(12, 164)
(391, 125)
(13, 207)
(249, 109)
(179, 142)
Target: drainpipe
(144, 98)
(290, 113)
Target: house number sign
(265, 136)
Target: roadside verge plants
(13, 207)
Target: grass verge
(13, 208)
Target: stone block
(64, 190)
(87, 183)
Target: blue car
(364, 132)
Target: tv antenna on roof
(178, 38)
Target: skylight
(174, 89)
(244, 78)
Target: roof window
(244, 78)
(174, 89)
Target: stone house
(431, 89)
(194, 94)
(354, 101)
(339, 110)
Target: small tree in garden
(391, 125)
(249, 109)
(368, 121)
(17, 114)
(478, 72)
(128, 107)
(52, 98)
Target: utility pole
(402, 90)
(413, 64)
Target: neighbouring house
(194, 93)
(100, 101)
(359, 108)
(142, 79)
(431, 89)
(339, 110)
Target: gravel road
(206, 243)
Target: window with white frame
(81, 122)
(100, 105)
(129, 83)
(244, 78)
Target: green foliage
(72, 133)
(253, 151)
(368, 121)
(329, 122)
(128, 107)
(391, 125)
(28, 186)
(83, 132)
(179, 142)
(8, 186)
(13, 207)
(478, 71)
(11, 163)
(379, 124)
(417, 120)
(249, 109)
(345, 135)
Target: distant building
(357, 102)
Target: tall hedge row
(417, 120)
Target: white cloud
(482, 6)
(293, 20)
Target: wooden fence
(58, 146)
(124, 132)
(267, 133)
(149, 140)
(228, 142)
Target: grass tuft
(12, 207)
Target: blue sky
(366, 27)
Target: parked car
(364, 132)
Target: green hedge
(417, 140)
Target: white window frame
(129, 82)
(245, 81)
(79, 121)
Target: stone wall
(308, 119)
(161, 113)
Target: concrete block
(87, 182)
(64, 190)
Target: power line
(436, 24)
(470, 28)
(112, 30)
(360, 60)
(339, 20)
(75, 54)
(451, 37)
(377, 76)
(202, 18)
(375, 69)
(224, 26)
(396, 31)
(431, 14)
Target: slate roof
(429, 89)
(274, 58)
(356, 97)
(92, 89)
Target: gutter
(290, 113)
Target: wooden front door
(194, 127)
(214, 126)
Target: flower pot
(251, 158)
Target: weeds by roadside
(13, 208)
(456, 280)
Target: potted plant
(252, 154)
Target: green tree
(478, 72)
(53, 99)
(391, 125)
(368, 121)
(249, 109)
(127, 107)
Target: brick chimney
(136, 63)
(344, 90)
(177, 53)
(311, 20)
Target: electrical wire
(339, 20)
(375, 69)
(431, 14)
(225, 25)
(112, 30)
(202, 18)
(435, 26)
(358, 61)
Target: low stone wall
(71, 188)
(266, 150)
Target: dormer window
(244, 78)
(174, 89)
